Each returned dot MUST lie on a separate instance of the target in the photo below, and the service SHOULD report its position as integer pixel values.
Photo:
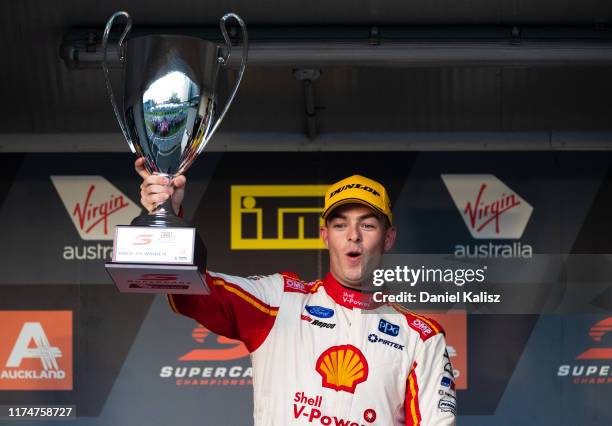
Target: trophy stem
(165, 208)
(163, 214)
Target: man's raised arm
(238, 308)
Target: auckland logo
(36, 347)
(42, 350)
(491, 211)
(95, 207)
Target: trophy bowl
(169, 100)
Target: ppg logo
(388, 328)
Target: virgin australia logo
(94, 205)
(490, 210)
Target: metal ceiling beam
(297, 142)
(429, 54)
(389, 46)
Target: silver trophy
(168, 117)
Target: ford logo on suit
(320, 311)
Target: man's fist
(155, 189)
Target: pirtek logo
(354, 185)
(484, 201)
(373, 338)
(94, 205)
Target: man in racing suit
(324, 352)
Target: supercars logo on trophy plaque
(168, 116)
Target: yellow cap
(361, 190)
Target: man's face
(356, 238)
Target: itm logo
(94, 205)
(272, 217)
(36, 350)
(195, 368)
(489, 208)
(599, 369)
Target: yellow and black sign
(276, 217)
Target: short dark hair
(383, 218)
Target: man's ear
(323, 232)
(390, 235)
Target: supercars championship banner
(543, 221)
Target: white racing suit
(323, 354)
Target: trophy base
(147, 278)
(160, 220)
(152, 259)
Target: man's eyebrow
(362, 217)
(368, 215)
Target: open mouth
(353, 254)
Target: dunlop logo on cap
(356, 186)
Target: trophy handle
(109, 86)
(223, 60)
